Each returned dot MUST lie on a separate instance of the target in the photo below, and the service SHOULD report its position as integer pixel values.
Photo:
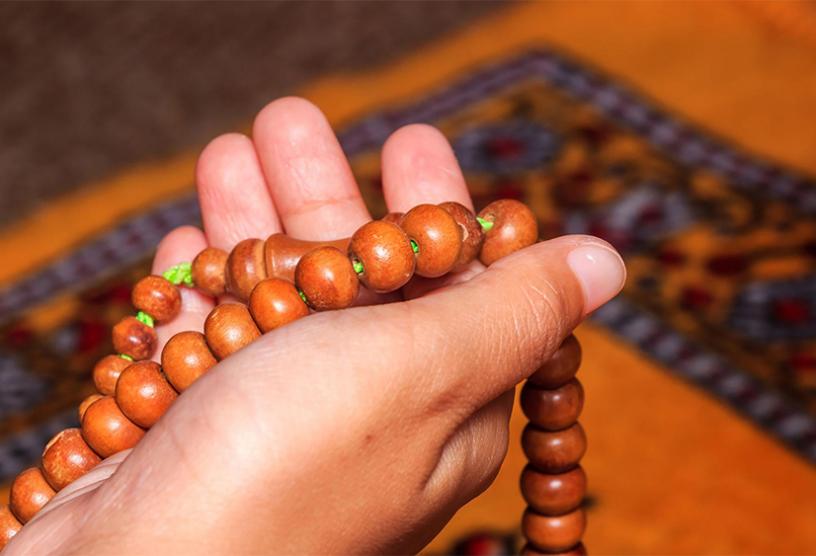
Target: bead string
(117, 419)
(486, 225)
(177, 275)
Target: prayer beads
(281, 279)
(554, 484)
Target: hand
(360, 430)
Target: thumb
(500, 326)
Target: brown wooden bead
(157, 297)
(143, 394)
(393, 217)
(106, 372)
(553, 533)
(228, 328)
(577, 550)
(29, 493)
(472, 233)
(66, 458)
(438, 237)
(185, 357)
(386, 256)
(9, 526)
(86, 403)
(553, 494)
(553, 410)
(554, 452)
(209, 271)
(245, 267)
(274, 303)
(106, 429)
(134, 338)
(561, 367)
(514, 227)
(282, 253)
(327, 279)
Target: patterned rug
(720, 245)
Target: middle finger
(307, 172)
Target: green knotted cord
(144, 318)
(486, 224)
(181, 273)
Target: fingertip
(215, 157)
(307, 172)
(232, 192)
(293, 117)
(599, 269)
(419, 166)
(181, 245)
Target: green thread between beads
(358, 266)
(144, 318)
(485, 224)
(414, 247)
(126, 357)
(178, 274)
(303, 297)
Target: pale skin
(361, 430)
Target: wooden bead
(9, 526)
(86, 403)
(438, 237)
(393, 217)
(134, 338)
(514, 227)
(106, 429)
(553, 410)
(561, 367)
(384, 252)
(29, 493)
(274, 303)
(553, 494)
(245, 267)
(553, 533)
(143, 394)
(66, 458)
(209, 271)
(157, 297)
(327, 279)
(186, 357)
(472, 233)
(282, 253)
(228, 328)
(577, 550)
(554, 452)
(106, 372)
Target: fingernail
(600, 271)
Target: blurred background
(683, 133)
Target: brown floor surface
(91, 87)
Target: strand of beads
(554, 484)
(134, 392)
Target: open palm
(360, 430)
